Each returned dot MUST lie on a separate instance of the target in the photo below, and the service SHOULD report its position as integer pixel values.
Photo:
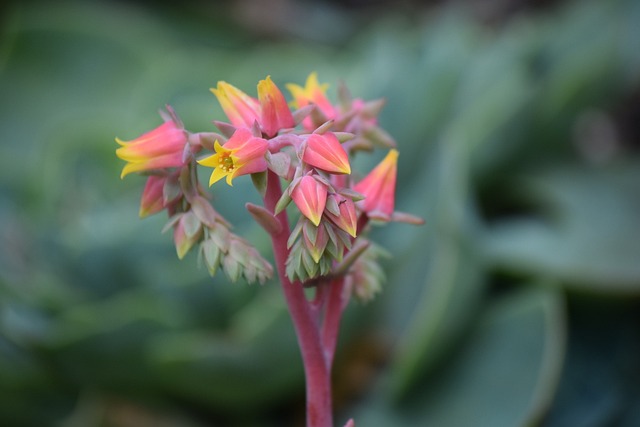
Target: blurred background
(518, 123)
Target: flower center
(225, 162)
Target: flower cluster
(306, 145)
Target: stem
(316, 368)
(332, 317)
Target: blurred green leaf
(505, 373)
(254, 365)
(587, 232)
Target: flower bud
(326, 153)
(343, 213)
(310, 196)
(152, 200)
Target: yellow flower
(243, 154)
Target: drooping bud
(163, 147)
(186, 232)
(326, 153)
(310, 196)
(152, 200)
(379, 187)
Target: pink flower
(312, 93)
(275, 114)
(310, 196)
(379, 188)
(325, 152)
(160, 148)
(345, 216)
(270, 110)
(241, 109)
(243, 154)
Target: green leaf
(504, 375)
(587, 236)
(450, 297)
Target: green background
(516, 304)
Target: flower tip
(345, 169)
(325, 152)
(314, 218)
(311, 197)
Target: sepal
(264, 218)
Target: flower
(325, 152)
(312, 93)
(243, 154)
(310, 196)
(379, 188)
(275, 113)
(241, 109)
(152, 200)
(270, 110)
(342, 212)
(163, 147)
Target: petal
(240, 108)
(310, 196)
(325, 152)
(217, 175)
(245, 146)
(347, 219)
(379, 187)
(253, 166)
(276, 114)
(152, 200)
(165, 139)
(162, 162)
(312, 93)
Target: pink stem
(332, 317)
(317, 370)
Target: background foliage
(515, 305)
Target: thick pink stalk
(332, 317)
(317, 367)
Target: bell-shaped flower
(242, 154)
(241, 109)
(312, 93)
(270, 110)
(275, 113)
(379, 188)
(325, 152)
(310, 196)
(160, 148)
(341, 211)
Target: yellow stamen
(225, 162)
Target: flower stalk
(303, 171)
